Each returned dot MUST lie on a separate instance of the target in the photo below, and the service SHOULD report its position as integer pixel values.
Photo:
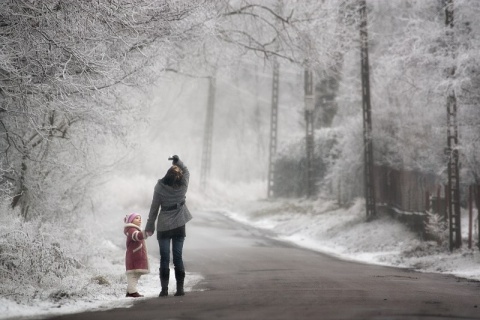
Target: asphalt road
(249, 276)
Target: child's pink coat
(136, 259)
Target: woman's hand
(174, 159)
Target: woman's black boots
(164, 278)
(180, 277)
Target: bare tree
(300, 31)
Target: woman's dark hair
(173, 177)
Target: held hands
(174, 159)
(147, 234)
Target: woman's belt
(176, 206)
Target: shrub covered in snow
(436, 228)
(32, 257)
(49, 261)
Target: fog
(175, 124)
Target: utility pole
(367, 115)
(208, 134)
(273, 127)
(455, 235)
(309, 137)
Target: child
(136, 260)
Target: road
(249, 276)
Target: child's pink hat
(129, 217)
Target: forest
(89, 89)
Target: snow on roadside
(323, 226)
(38, 309)
(105, 291)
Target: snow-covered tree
(62, 65)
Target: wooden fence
(408, 195)
(403, 190)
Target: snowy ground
(109, 295)
(318, 225)
(323, 226)
(148, 284)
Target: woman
(169, 195)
